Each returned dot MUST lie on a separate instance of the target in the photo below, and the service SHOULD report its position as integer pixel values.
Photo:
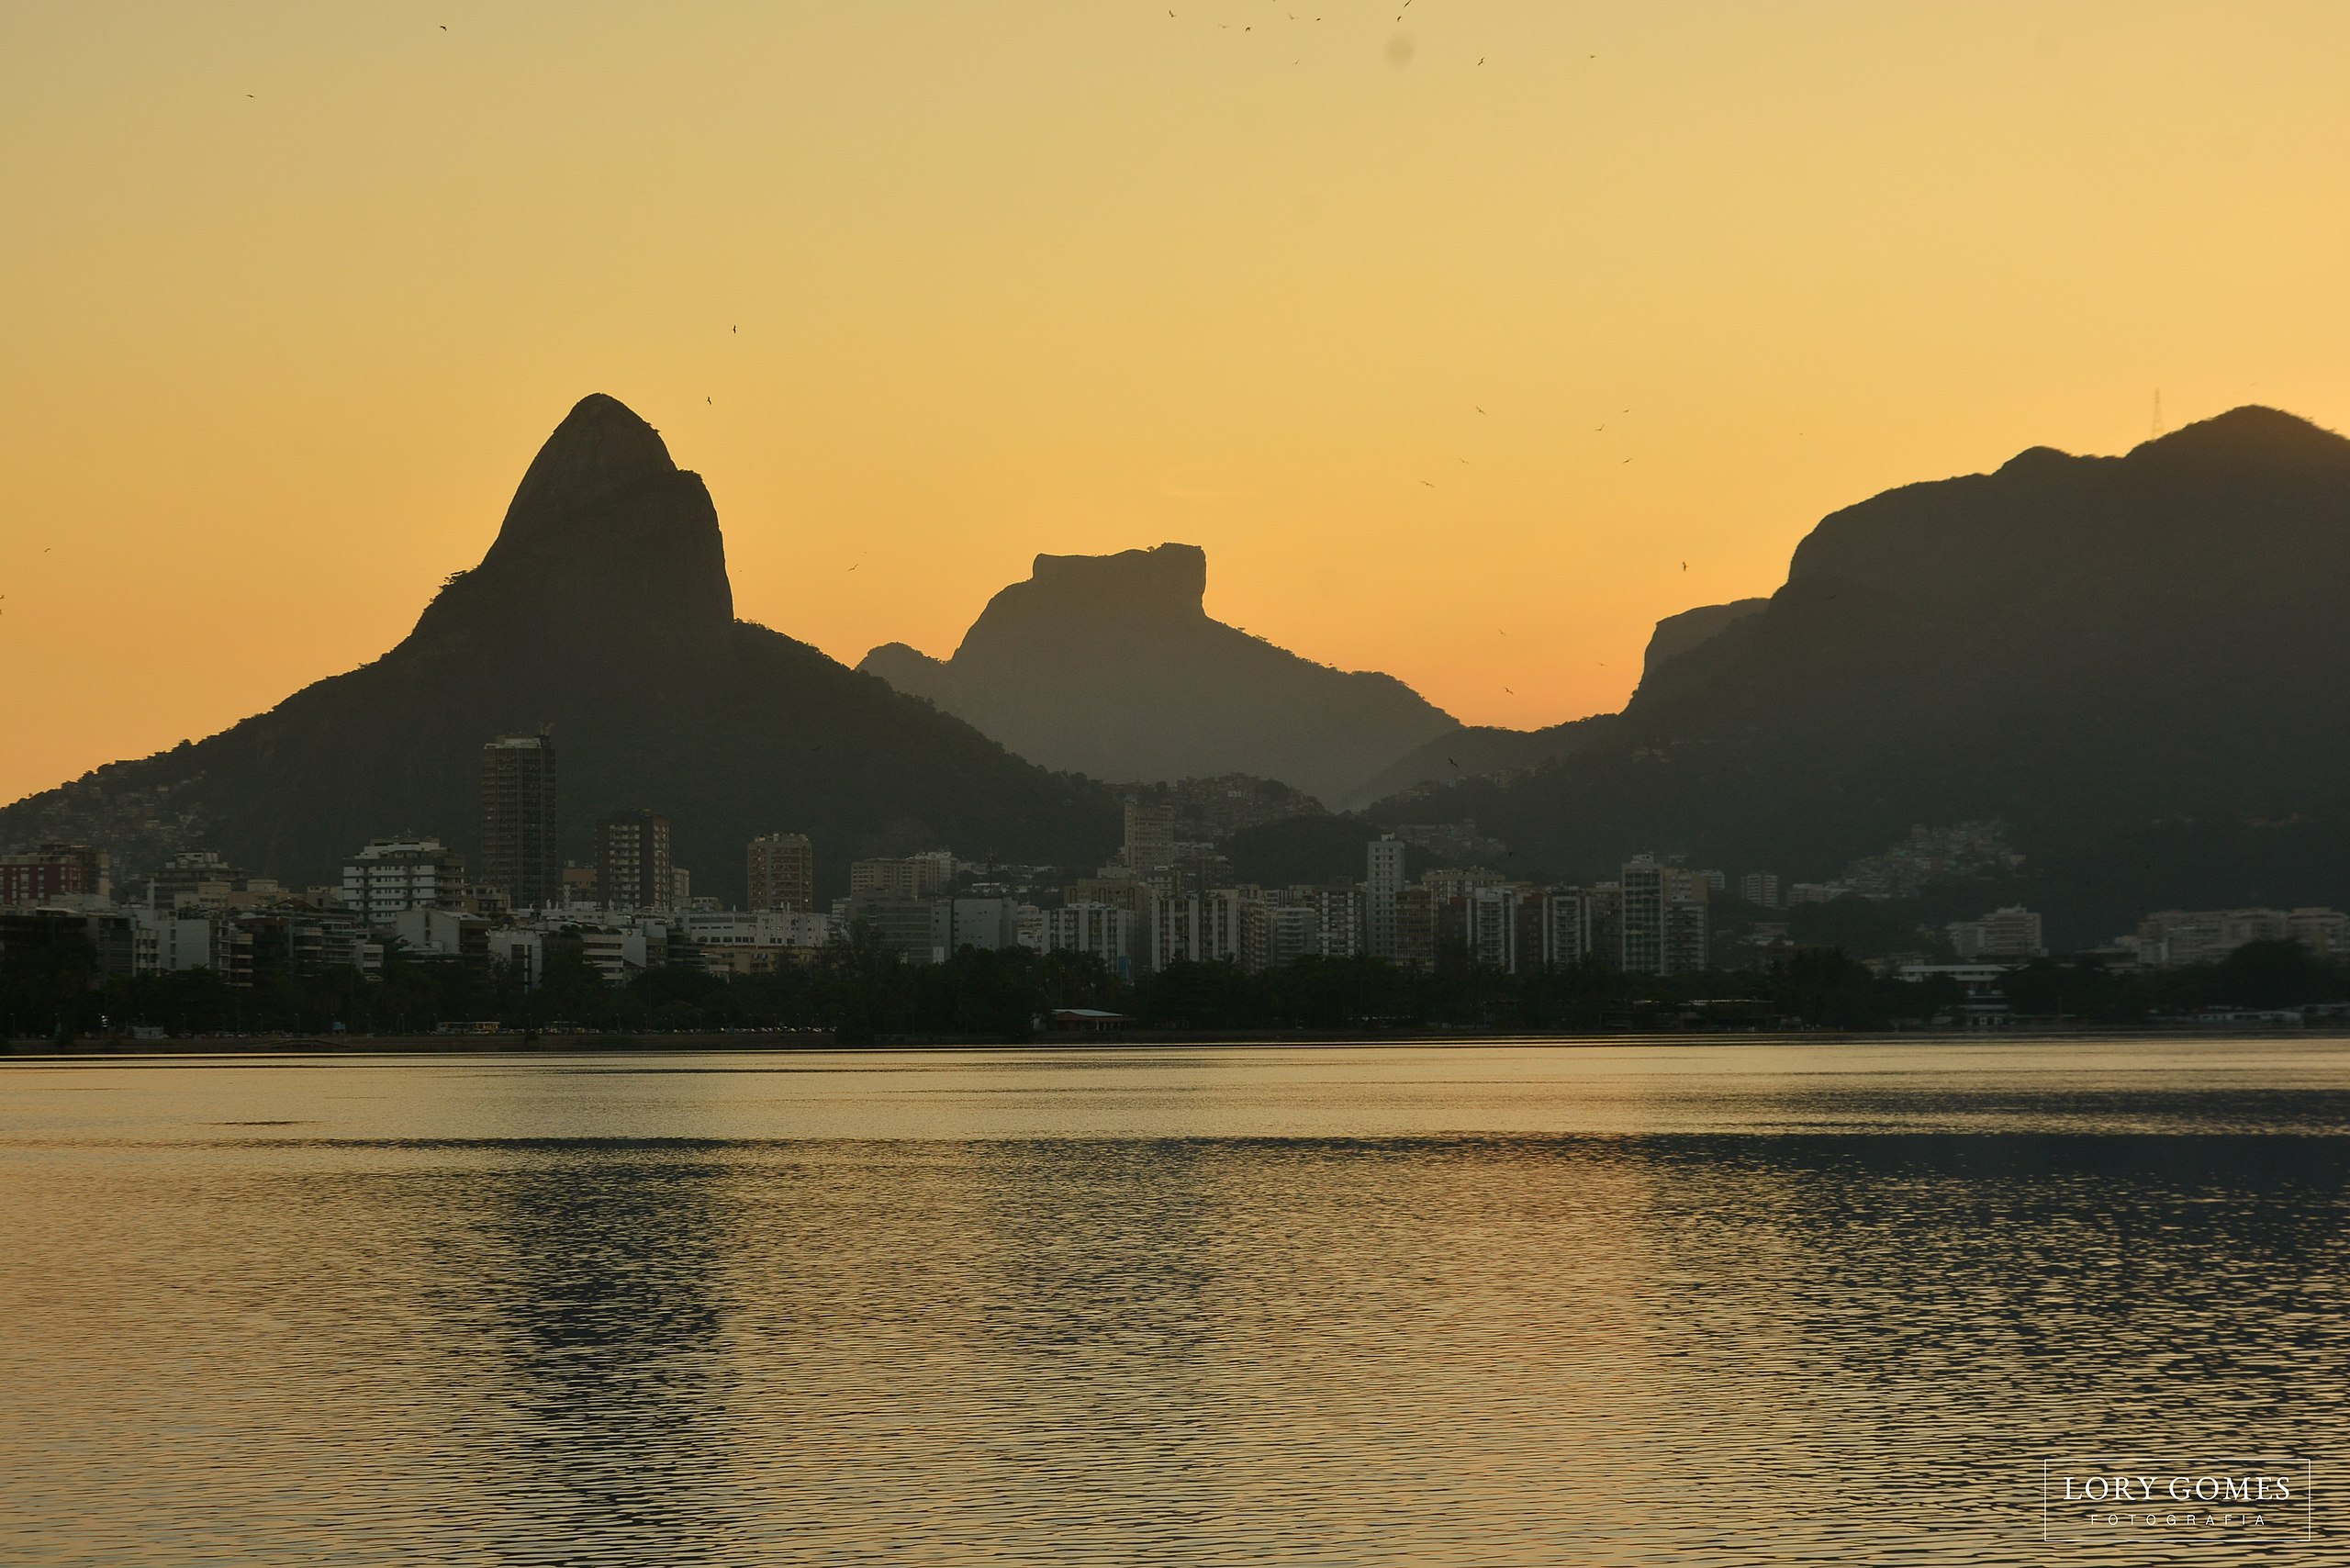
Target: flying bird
(1454, 763)
(1429, 484)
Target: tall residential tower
(517, 845)
(782, 867)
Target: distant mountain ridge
(1111, 666)
(1479, 750)
(2140, 663)
(602, 608)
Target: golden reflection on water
(1535, 1306)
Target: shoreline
(354, 1046)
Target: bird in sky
(733, 329)
(1512, 693)
(1454, 763)
(1429, 484)
(1474, 406)
(710, 399)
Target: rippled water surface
(1520, 1304)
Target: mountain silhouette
(1474, 750)
(602, 609)
(1109, 665)
(2140, 663)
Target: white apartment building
(2011, 933)
(1108, 931)
(391, 875)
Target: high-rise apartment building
(633, 865)
(782, 872)
(1109, 932)
(1502, 928)
(1415, 929)
(1383, 883)
(517, 830)
(1761, 888)
(1150, 837)
(1662, 928)
(1566, 927)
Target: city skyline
(267, 392)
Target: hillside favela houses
(1165, 899)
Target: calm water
(1802, 1302)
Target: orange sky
(1079, 277)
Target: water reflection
(1682, 1321)
(593, 1289)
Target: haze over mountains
(2140, 663)
(604, 609)
(1111, 666)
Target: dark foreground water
(1802, 1302)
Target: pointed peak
(600, 446)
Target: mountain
(2139, 663)
(1474, 751)
(1109, 665)
(1477, 750)
(603, 609)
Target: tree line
(856, 991)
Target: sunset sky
(293, 292)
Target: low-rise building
(988, 923)
(901, 924)
(392, 876)
(2173, 937)
(2011, 933)
(921, 876)
(56, 876)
